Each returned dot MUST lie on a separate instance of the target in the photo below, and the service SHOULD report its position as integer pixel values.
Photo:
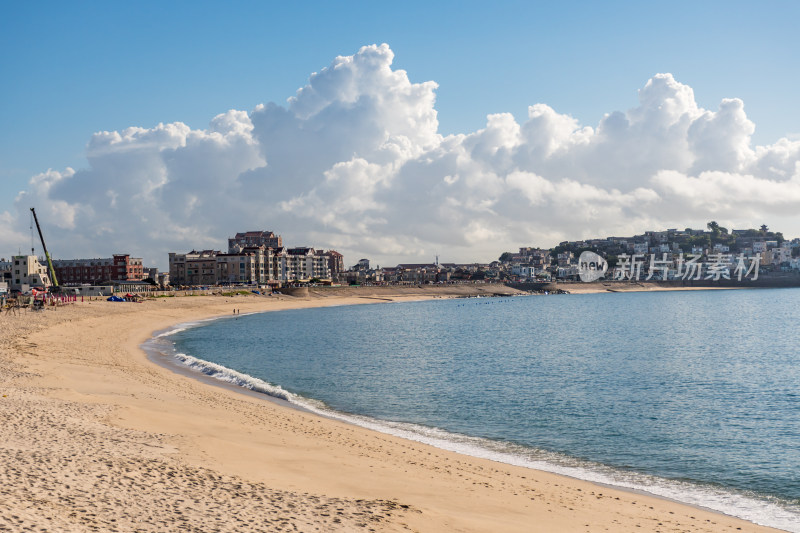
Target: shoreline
(180, 424)
(166, 361)
(481, 448)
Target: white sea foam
(758, 511)
(184, 326)
(236, 378)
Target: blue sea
(692, 396)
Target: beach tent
(115, 299)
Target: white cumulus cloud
(354, 161)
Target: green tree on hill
(720, 234)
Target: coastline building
(301, 264)
(27, 272)
(387, 274)
(151, 273)
(193, 268)
(5, 271)
(250, 265)
(372, 276)
(565, 259)
(525, 272)
(335, 264)
(421, 273)
(779, 255)
(250, 239)
(120, 267)
(567, 272)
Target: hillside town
(260, 259)
(689, 255)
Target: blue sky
(71, 69)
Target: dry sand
(95, 437)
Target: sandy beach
(96, 437)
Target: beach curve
(97, 436)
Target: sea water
(694, 396)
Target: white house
(26, 272)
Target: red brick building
(120, 267)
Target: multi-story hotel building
(194, 268)
(251, 239)
(335, 263)
(120, 267)
(259, 265)
(252, 264)
(254, 257)
(301, 264)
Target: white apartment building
(26, 272)
(524, 271)
(301, 264)
(252, 265)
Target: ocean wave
(239, 379)
(184, 326)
